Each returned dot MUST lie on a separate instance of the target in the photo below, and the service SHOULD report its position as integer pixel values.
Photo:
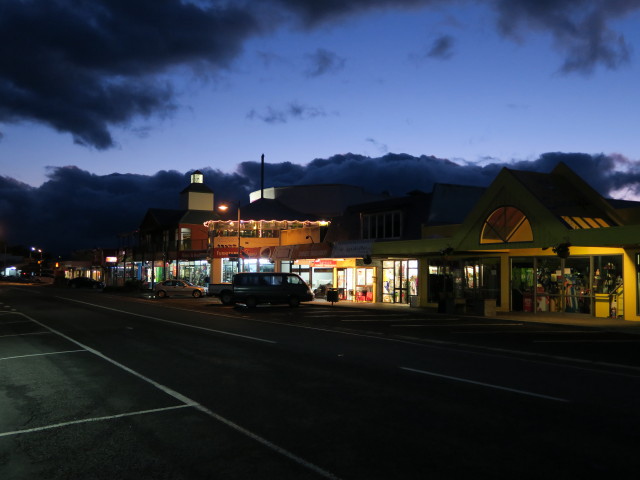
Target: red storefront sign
(324, 262)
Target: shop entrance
(399, 280)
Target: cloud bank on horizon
(105, 206)
(108, 63)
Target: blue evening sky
(425, 81)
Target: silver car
(178, 287)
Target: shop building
(174, 243)
(263, 236)
(395, 277)
(538, 243)
(284, 229)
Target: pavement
(568, 319)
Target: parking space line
(89, 420)
(24, 334)
(489, 385)
(41, 354)
(192, 403)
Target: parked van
(254, 288)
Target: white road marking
(497, 387)
(190, 403)
(24, 334)
(217, 314)
(458, 325)
(171, 322)
(386, 318)
(585, 340)
(42, 354)
(89, 420)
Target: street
(94, 385)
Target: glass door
(522, 292)
(577, 291)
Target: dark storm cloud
(323, 61)
(293, 110)
(86, 66)
(580, 28)
(75, 209)
(82, 66)
(442, 48)
(314, 12)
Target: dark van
(254, 288)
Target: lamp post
(224, 207)
(39, 250)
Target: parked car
(178, 287)
(254, 288)
(85, 282)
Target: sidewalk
(569, 319)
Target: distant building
(321, 200)
(174, 243)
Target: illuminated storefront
(399, 280)
(534, 243)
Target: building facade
(534, 243)
(174, 243)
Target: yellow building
(536, 243)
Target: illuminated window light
(592, 222)
(581, 223)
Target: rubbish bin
(446, 305)
(332, 295)
(484, 307)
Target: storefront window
(470, 279)
(608, 286)
(478, 279)
(196, 272)
(568, 285)
(399, 280)
(364, 284)
(322, 279)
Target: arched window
(505, 225)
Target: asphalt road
(101, 386)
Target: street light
(39, 250)
(224, 207)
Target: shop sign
(324, 262)
(232, 252)
(352, 249)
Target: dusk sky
(330, 92)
